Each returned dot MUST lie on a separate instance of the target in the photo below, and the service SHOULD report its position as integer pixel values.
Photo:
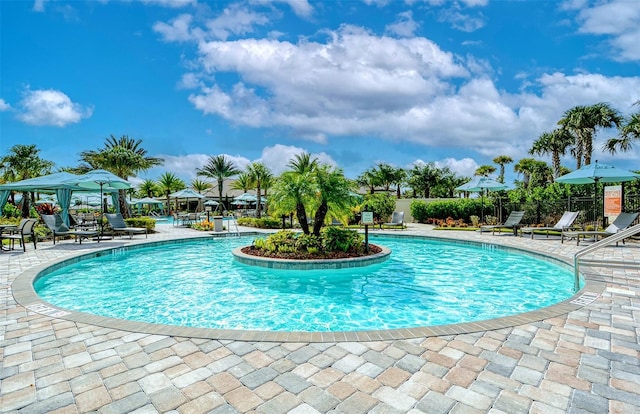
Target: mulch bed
(254, 251)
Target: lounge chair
(564, 224)
(118, 225)
(512, 222)
(59, 228)
(397, 220)
(621, 222)
(20, 232)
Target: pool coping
(24, 294)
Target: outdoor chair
(59, 228)
(397, 220)
(621, 222)
(118, 225)
(512, 222)
(564, 224)
(25, 229)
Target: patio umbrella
(187, 193)
(103, 180)
(595, 173)
(211, 203)
(481, 183)
(246, 197)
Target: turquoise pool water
(198, 284)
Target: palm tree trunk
(258, 203)
(302, 218)
(319, 218)
(220, 184)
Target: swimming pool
(198, 284)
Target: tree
(22, 162)
(385, 175)
(423, 177)
(333, 191)
(170, 183)
(399, 177)
(485, 170)
(369, 179)
(501, 160)
(148, 188)
(290, 193)
(122, 156)
(259, 174)
(555, 143)
(582, 122)
(629, 131)
(243, 182)
(218, 168)
(200, 186)
(303, 163)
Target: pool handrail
(614, 238)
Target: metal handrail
(614, 238)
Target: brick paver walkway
(586, 361)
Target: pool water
(198, 284)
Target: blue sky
(352, 82)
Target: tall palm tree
(243, 182)
(423, 178)
(148, 188)
(501, 160)
(218, 168)
(290, 193)
(485, 170)
(170, 183)
(525, 167)
(22, 162)
(555, 143)
(629, 131)
(303, 163)
(582, 122)
(399, 177)
(333, 193)
(122, 156)
(385, 174)
(259, 173)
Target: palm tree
(303, 163)
(169, 183)
(122, 156)
(259, 174)
(485, 170)
(333, 193)
(22, 162)
(368, 179)
(629, 131)
(385, 174)
(290, 193)
(555, 143)
(148, 188)
(525, 167)
(218, 168)
(501, 160)
(399, 177)
(200, 186)
(243, 182)
(582, 122)
(423, 177)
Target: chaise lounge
(59, 228)
(512, 222)
(564, 224)
(118, 225)
(621, 222)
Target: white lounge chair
(564, 224)
(621, 222)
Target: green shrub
(11, 211)
(146, 222)
(305, 242)
(463, 209)
(381, 204)
(345, 240)
(261, 223)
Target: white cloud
(51, 107)
(465, 167)
(39, 5)
(301, 8)
(174, 4)
(4, 106)
(619, 19)
(278, 156)
(235, 20)
(405, 25)
(462, 21)
(177, 30)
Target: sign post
(367, 218)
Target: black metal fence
(549, 212)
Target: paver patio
(586, 361)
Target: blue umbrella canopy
(100, 180)
(246, 197)
(186, 193)
(597, 172)
(480, 183)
